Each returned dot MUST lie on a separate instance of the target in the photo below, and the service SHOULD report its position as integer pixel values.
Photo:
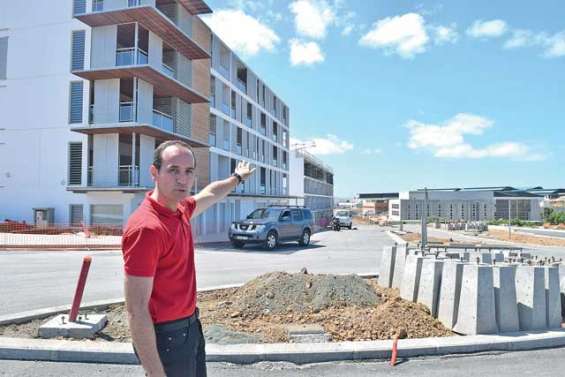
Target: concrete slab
(477, 314)
(450, 291)
(552, 297)
(430, 282)
(505, 299)
(530, 294)
(307, 333)
(386, 271)
(84, 327)
(411, 277)
(401, 253)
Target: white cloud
(487, 29)
(305, 53)
(312, 17)
(241, 32)
(448, 140)
(371, 151)
(445, 34)
(553, 45)
(347, 30)
(328, 145)
(404, 35)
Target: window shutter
(75, 163)
(75, 111)
(79, 7)
(77, 59)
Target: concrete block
(400, 260)
(552, 297)
(309, 333)
(411, 277)
(477, 313)
(430, 282)
(450, 291)
(386, 270)
(505, 299)
(530, 293)
(84, 327)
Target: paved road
(542, 232)
(31, 279)
(545, 363)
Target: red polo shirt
(157, 242)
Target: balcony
(238, 149)
(241, 85)
(226, 108)
(163, 121)
(233, 113)
(163, 85)
(127, 181)
(127, 112)
(167, 70)
(128, 175)
(249, 122)
(212, 139)
(152, 19)
(127, 56)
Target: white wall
(106, 160)
(296, 174)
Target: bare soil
(347, 307)
(526, 238)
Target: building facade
(313, 181)
(88, 89)
(467, 204)
(376, 204)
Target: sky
(400, 95)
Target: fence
(20, 235)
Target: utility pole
(509, 219)
(424, 225)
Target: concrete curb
(298, 353)
(396, 238)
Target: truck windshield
(342, 213)
(264, 213)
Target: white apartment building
(312, 180)
(467, 204)
(88, 88)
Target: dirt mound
(280, 292)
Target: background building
(312, 180)
(376, 204)
(88, 88)
(468, 204)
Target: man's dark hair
(158, 154)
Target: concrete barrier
(430, 282)
(386, 269)
(411, 277)
(450, 291)
(552, 297)
(530, 294)
(505, 299)
(477, 313)
(400, 260)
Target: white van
(344, 217)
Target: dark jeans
(181, 346)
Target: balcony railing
(212, 139)
(238, 149)
(91, 114)
(128, 175)
(97, 5)
(241, 85)
(126, 112)
(227, 145)
(249, 122)
(274, 137)
(126, 56)
(226, 108)
(134, 3)
(232, 112)
(168, 70)
(163, 121)
(262, 189)
(212, 101)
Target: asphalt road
(38, 279)
(543, 363)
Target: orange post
(80, 288)
(394, 351)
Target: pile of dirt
(281, 292)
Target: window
(284, 159)
(296, 215)
(79, 7)
(284, 140)
(224, 57)
(275, 131)
(263, 179)
(213, 91)
(239, 136)
(106, 214)
(3, 58)
(75, 164)
(233, 101)
(77, 55)
(75, 108)
(76, 216)
(212, 131)
(275, 155)
(275, 104)
(249, 111)
(263, 123)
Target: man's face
(176, 176)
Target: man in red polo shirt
(158, 251)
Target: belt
(177, 323)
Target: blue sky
(399, 95)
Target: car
(271, 225)
(344, 217)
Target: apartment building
(467, 204)
(312, 180)
(88, 89)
